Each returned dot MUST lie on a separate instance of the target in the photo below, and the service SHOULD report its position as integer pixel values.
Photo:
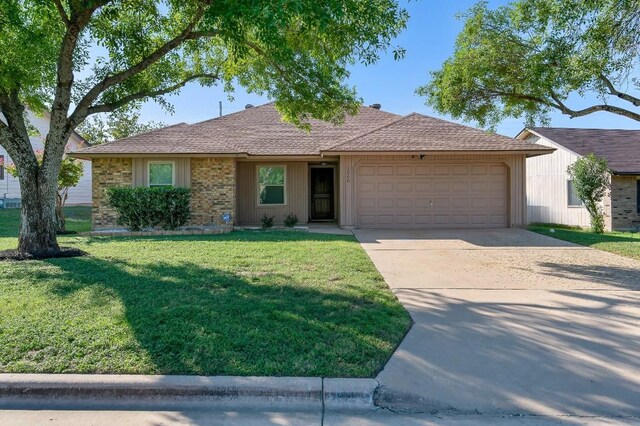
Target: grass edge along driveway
(623, 243)
(245, 303)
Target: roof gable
(416, 132)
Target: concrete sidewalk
(508, 321)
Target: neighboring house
(550, 195)
(378, 170)
(10, 186)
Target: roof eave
(89, 155)
(625, 173)
(528, 153)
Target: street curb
(287, 392)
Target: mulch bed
(64, 252)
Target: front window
(572, 199)
(161, 173)
(271, 185)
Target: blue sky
(428, 40)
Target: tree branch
(621, 95)
(62, 12)
(594, 108)
(80, 113)
(14, 134)
(112, 106)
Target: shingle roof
(260, 131)
(621, 148)
(417, 132)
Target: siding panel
(547, 187)
(297, 186)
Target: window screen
(573, 199)
(271, 185)
(160, 174)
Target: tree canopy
(78, 58)
(532, 57)
(120, 124)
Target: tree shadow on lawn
(191, 319)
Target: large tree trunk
(38, 224)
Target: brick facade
(108, 172)
(624, 199)
(213, 190)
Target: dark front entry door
(322, 193)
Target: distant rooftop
(620, 147)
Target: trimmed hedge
(143, 207)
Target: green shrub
(267, 221)
(591, 180)
(290, 220)
(143, 207)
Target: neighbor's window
(271, 185)
(1, 167)
(161, 173)
(573, 200)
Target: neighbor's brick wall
(606, 204)
(623, 202)
(213, 190)
(108, 172)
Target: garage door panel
(404, 186)
(421, 186)
(385, 186)
(404, 171)
(404, 203)
(432, 196)
(442, 186)
(422, 170)
(366, 187)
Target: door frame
(335, 191)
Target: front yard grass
(622, 243)
(245, 303)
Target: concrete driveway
(509, 321)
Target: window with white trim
(272, 185)
(161, 173)
(572, 198)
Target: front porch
(306, 189)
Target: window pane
(272, 195)
(160, 174)
(573, 198)
(271, 175)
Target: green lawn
(77, 219)
(245, 303)
(622, 243)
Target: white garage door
(400, 195)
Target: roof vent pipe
(375, 106)
(247, 106)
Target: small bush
(143, 207)
(267, 221)
(290, 220)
